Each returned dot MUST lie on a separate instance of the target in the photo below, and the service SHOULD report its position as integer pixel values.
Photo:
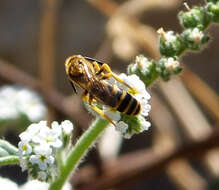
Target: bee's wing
(92, 59)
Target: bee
(91, 75)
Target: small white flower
(67, 127)
(41, 133)
(145, 107)
(122, 127)
(171, 64)
(23, 162)
(43, 156)
(196, 35)
(25, 137)
(56, 129)
(169, 36)
(142, 63)
(42, 175)
(50, 136)
(35, 129)
(24, 148)
(44, 149)
(145, 125)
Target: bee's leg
(85, 96)
(97, 69)
(96, 66)
(90, 99)
(106, 68)
(100, 112)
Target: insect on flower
(91, 75)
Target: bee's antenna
(92, 59)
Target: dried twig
(206, 95)
(108, 7)
(136, 7)
(185, 176)
(47, 48)
(197, 126)
(166, 139)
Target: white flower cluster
(15, 101)
(38, 148)
(142, 96)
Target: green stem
(8, 147)
(6, 160)
(78, 152)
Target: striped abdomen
(116, 98)
(127, 103)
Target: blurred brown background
(37, 36)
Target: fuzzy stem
(11, 149)
(78, 152)
(6, 160)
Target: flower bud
(133, 125)
(194, 38)
(213, 11)
(194, 18)
(144, 68)
(170, 44)
(167, 66)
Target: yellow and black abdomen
(118, 99)
(127, 103)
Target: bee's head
(73, 65)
